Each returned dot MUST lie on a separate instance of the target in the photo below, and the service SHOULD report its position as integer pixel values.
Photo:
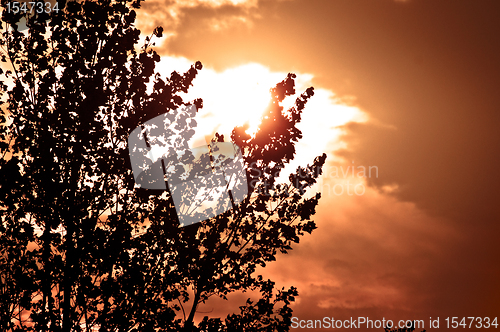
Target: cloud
(240, 94)
(372, 254)
(382, 251)
(368, 251)
(435, 85)
(219, 14)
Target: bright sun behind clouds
(239, 95)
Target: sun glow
(240, 95)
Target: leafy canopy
(82, 246)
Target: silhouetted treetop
(83, 246)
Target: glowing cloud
(239, 95)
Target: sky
(407, 109)
(407, 89)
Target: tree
(83, 246)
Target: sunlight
(230, 98)
(240, 95)
(234, 97)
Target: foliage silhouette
(82, 247)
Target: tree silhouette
(84, 247)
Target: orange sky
(420, 81)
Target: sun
(234, 97)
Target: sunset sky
(409, 88)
